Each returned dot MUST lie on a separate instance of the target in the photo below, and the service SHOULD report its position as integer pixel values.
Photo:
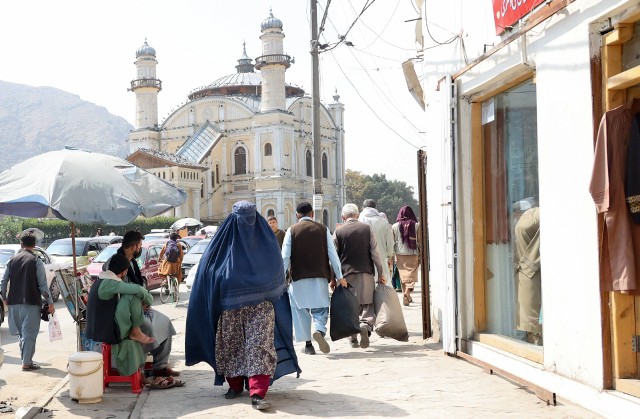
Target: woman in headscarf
(406, 248)
(239, 318)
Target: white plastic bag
(55, 331)
(389, 317)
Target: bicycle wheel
(175, 289)
(164, 290)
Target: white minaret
(273, 64)
(146, 87)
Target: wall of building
(558, 51)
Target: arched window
(325, 166)
(267, 149)
(309, 164)
(240, 160)
(325, 217)
(270, 213)
(217, 173)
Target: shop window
(240, 161)
(512, 215)
(325, 166)
(309, 163)
(267, 149)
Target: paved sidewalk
(388, 379)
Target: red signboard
(508, 12)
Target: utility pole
(315, 115)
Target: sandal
(162, 383)
(30, 367)
(405, 300)
(166, 372)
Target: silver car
(193, 256)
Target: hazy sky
(88, 48)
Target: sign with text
(317, 202)
(507, 12)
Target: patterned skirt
(245, 341)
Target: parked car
(191, 240)
(147, 262)
(62, 251)
(193, 256)
(7, 251)
(157, 234)
(191, 276)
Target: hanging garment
(632, 181)
(620, 241)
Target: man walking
(383, 234)
(306, 252)
(358, 252)
(273, 223)
(26, 273)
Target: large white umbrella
(84, 187)
(185, 222)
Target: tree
(390, 195)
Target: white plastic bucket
(85, 377)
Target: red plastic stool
(111, 375)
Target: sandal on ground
(166, 372)
(405, 300)
(30, 367)
(161, 383)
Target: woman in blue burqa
(239, 318)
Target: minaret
(146, 87)
(337, 113)
(272, 64)
(245, 64)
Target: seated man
(115, 313)
(155, 324)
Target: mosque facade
(246, 136)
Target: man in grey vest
(26, 273)
(357, 248)
(306, 251)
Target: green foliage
(10, 227)
(390, 195)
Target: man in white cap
(358, 252)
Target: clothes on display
(620, 239)
(529, 298)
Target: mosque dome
(271, 23)
(145, 50)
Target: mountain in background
(34, 120)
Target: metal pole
(75, 285)
(315, 114)
(424, 244)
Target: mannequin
(528, 290)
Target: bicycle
(170, 288)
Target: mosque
(246, 136)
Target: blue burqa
(242, 266)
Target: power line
(343, 38)
(383, 94)
(385, 26)
(369, 106)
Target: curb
(39, 406)
(137, 409)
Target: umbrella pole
(75, 284)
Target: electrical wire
(324, 17)
(343, 38)
(385, 26)
(369, 106)
(383, 94)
